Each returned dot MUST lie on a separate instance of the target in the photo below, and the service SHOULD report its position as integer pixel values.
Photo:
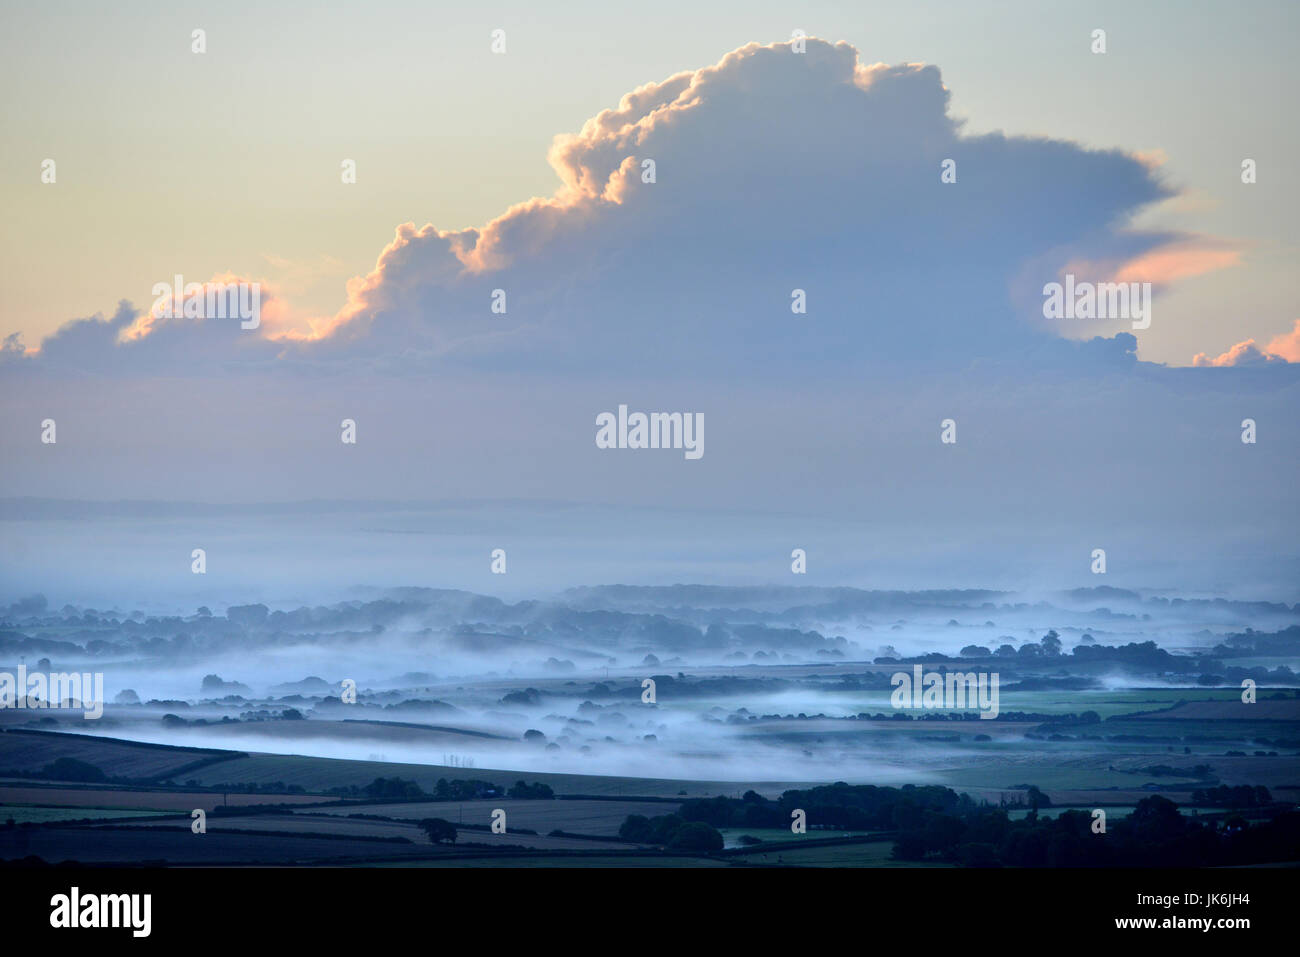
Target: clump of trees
(463, 790)
(936, 823)
(531, 792)
(839, 805)
(696, 836)
(393, 789)
(458, 789)
(673, 832)
(71, 769)
(1156, 834)
(438, 830)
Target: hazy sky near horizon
(228, 162)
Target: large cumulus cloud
(775, 171)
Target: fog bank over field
(699, 682)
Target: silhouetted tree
(438, 830)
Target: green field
(640, 861)
(1106, 703)
(316, 774)
(783, 836)
(26, 751)
(575, 817)
(874, 854)
(27, 813)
